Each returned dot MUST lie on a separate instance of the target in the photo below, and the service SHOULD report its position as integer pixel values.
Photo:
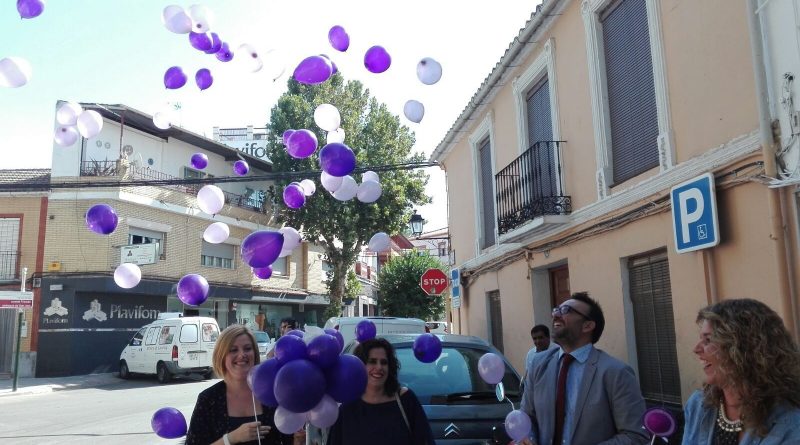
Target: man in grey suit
(579, 395)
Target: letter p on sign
(694, 214)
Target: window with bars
(495, 320)
(487, 194)
(633, 116)
(217, 255)
(9, 248)
(651, 298)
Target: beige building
(564, 159)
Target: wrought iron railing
(9, 265)
(255, 201)
(531, 186)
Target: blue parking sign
(694, 214)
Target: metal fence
(9, 265)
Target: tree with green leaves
(400, 294)
(377, 138)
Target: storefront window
(213, 307)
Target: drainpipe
(775, 197)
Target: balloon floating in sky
(313, 70)
(202, 18)
(161, 119)
(210, 199)
(101, 219)
(348, 190)
(176, 20)
(414, 111)
(127, 275)
(291, 239)
(330, 183)
(203, 78)
(369, 191)
(216, 43)
(429, 71)
(193, 289)
(293, 196)
(308, 187)
(89, 123)
(339, 38)
(216, 233)
(29, 9)
(261, 248)
(168, 423)
(379, 242)
(337, 159)
(286, 135)
(174, 78)
(14, 72)
(370, 175)
(377, 59)
(275, 62)
(241, 168)
(65, 135)
(199, 161)
(327, 117)
(335, 136)
(301, 144)
(263, 273)
(251, 57)
(200, 40)
(224, 54)
(68, 112)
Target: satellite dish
(128, 150)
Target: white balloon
(67, 113)
(335, 136)
(202, 18)
(249, 57)
(275, 62)
(327, 117)
(161, 120)
(347, 190)
(127, 275)
(414, 111)
(176, 20)
(210, 199)
(330, 183)
(429, 71)
(308, 187)
(217, 233)
(291, 238)
(65, 136)
(89, 123)
(379, 242)
(285, 253)
(370, 175)
(14, 72)
(369, 191)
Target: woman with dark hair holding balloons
(227, 413)
(385, 414)
(751, 393)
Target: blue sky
(116, 51)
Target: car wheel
(124, 372)
(208, 375)
(163, 373)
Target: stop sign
(433, 282)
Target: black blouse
(210, 420)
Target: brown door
(559, 285)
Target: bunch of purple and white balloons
(73, 121)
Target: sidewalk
(31, 385)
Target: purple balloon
(313, 70)
(168, 423)
(518, 425)
(334, 68)
(297, 333)
(200, 40)
(427, 348)
(286, 135)
(339, 38)
(199, 161)
(299, 385)
(293, 196)
(193, 289)
(203, 78)
(491, 368)
(301, 144)
(264, 382)
(338, 335)
(290, 347)
(347, 378)
(263, 272)
(174, 78)
(216, 43)
(324, 350)
(261, 248)
(365, 330)
(337, 159)
(377, 60)
(241, 167)
(101, 219)
(29, 9)
(224, 54)
(659, 422)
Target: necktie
(561, 395)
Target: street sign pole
(20, 314)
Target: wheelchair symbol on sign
(702, 233)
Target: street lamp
(416, 222)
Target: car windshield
(261, 337)
(454, 374)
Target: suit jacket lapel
(548, 419)
(586, 383)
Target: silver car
(263, 340)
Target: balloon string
(255, 415)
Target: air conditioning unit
(54, 266)
(37, 282)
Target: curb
(30, 386)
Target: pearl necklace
(731, 426)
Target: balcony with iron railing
(256, 201)
(9, 265)
(531, 186)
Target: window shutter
(495, 320)
(218, 250)
(654, 322)
(540, 130)
(631, 90)
(487, 194)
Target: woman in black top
(386, 414)
(225, 413)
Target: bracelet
(225, 439)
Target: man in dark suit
(578, 394)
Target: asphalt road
(118, 413)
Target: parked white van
(172, 345)
(383, 325)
